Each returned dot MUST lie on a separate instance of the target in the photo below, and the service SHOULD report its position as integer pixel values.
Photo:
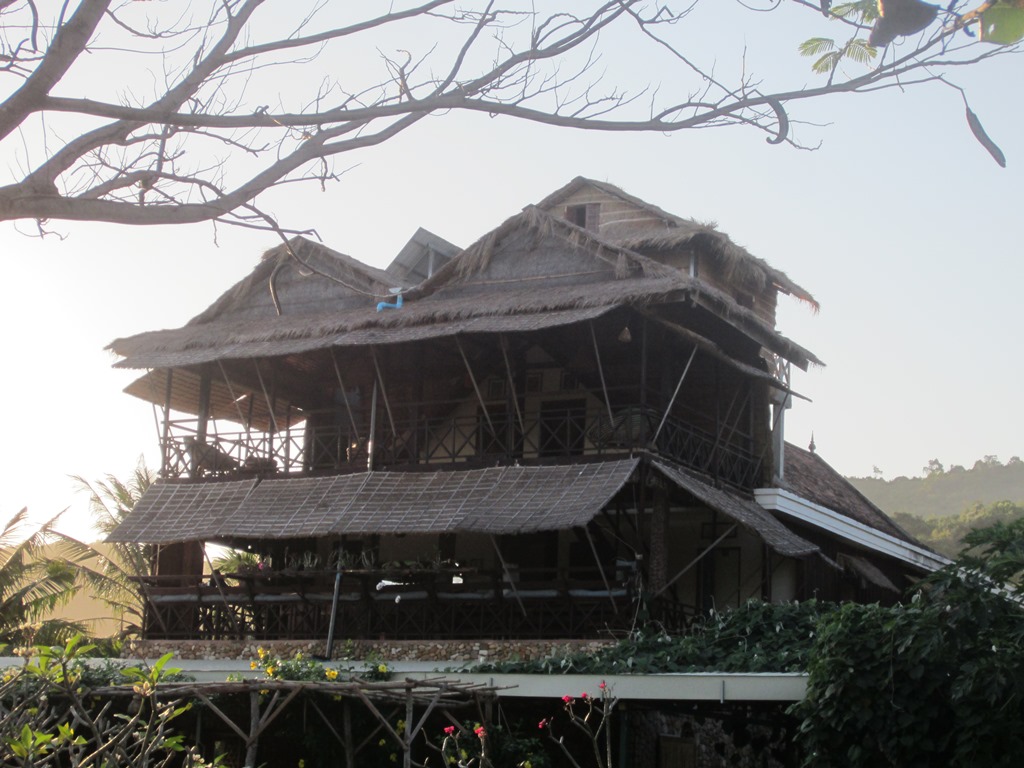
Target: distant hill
(943, 492)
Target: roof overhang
(500, 500)
(743, 510)
(798, 508)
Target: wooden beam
(696, 560)
(508, 575)
(675, 394)
(383, 391)
(476, 388)
(344, 394)
(600, 373)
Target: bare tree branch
(162, 160)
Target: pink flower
(603, 685)
(479, 731)
(567, 699)
(450, 730)
(583, 695)
(543, 723)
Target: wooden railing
(315, 447)
(371, 604)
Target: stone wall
(385, 650)
(745, 737)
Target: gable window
(587, 215)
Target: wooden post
(166, 452)
(346, 724)
(657, 571)
(600, 373)
(252, 743)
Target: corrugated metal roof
(499, 500)
(746, 512)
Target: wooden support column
(600, 373)
(643, 381)
(371, 443)
(346, 725)
(165, 442)
(202, 424)
(657, 570)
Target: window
(587, 216)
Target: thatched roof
(501, 500)
(808, 475)
(742, 509)
(671, 232)
(300, 277)
(533, 272)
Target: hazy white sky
(900, 224)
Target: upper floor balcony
(329, 442)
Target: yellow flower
(382, 743)
(298, 655)
(393, 757)
(331, 674)
(253, 665)
(261, 653)
(382, 668)
(302, 763)
(400, 726)
(271, 670)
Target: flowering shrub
(590, 717)
(299, 667)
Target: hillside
(949, 492)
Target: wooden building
(576, 421)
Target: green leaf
(827, 63)
(817, 46)
(1002, 25)
(860, 51)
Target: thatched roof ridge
(582, 181)
(477, 257)
(679, 232)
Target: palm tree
(111, 579)
(34, 583)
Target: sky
(899, 223)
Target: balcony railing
(318, 445)
(373, 605)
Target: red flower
(450, 730)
